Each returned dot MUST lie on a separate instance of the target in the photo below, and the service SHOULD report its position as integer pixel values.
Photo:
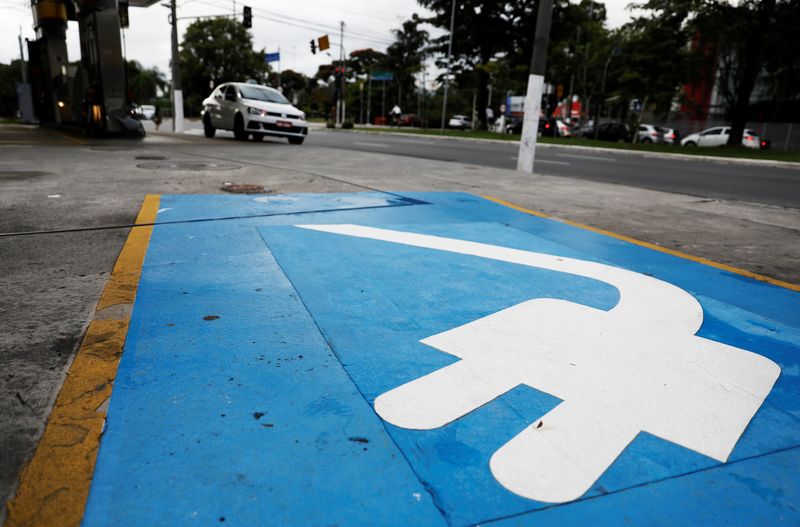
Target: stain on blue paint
(314, 326)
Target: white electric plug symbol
(638, 367)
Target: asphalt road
(762, 184)
(714, 180)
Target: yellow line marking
(698, 259)
(55, 483)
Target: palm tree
(406, 55)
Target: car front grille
(287, 116)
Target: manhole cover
(152, 158)
(243, 188)
(188, 165)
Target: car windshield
(259, 93)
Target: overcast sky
(288, 24)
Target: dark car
(547, 127)
(610, 132)
(408, 119)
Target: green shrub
(347, 124)
(330, 124)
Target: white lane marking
(379, 145)
(637, 367)
(547, 162)
(414, 142)
(591, 158)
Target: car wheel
(238, 128)
(258, 137)
(208, 129)
(296, 140)
(690, 143)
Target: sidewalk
(53, 280)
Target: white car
(649, 133)
(148, 111)
(251, 109)
(461, 122)
(718, 136)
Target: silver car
(649, 133)
(253, 110)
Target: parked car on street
(148, 110)
(547, 127)
(144, 111)
(650, 134)
(252, 109)
(718, 136)
(408, 119)
(554, 128)
(610, 132)
(461, 122)
(671, 135)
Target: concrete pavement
(55, 182)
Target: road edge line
(54, 484)
(697, 259)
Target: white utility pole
(340, 104)
(533, 99)
(449, 54)
(177, 92)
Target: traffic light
(314, 47)
(122, 8)
(247, 17)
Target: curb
(54, 484)
(641, 153)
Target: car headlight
(256, 111)
(302, 116)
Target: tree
(293, 84)
(751, 38)
(9, 75)
(362, 61)
(483, 29)
(144, 83)
(405, 56)
(655, 53)
(214, 51)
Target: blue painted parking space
(439, 359)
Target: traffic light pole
(177, 91)
(533, 98)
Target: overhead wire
(304, 23)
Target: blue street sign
(272, 57)
(439, 359)
(382, 76)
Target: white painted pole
(177, 92)
(530, 124)
(533, 98)
(449, 55)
